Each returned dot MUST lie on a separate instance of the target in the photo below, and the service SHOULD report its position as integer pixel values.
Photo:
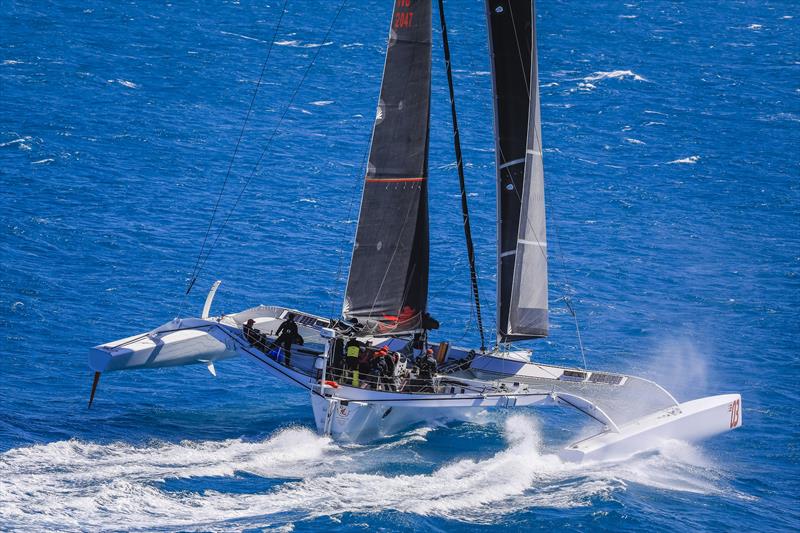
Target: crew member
(287, 334)
(250, 333)
(352, 349)
(253, 336)
(427, 369)
(364, 364)
(390, 361)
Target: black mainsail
(521, 241)
(387, 288)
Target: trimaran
(385, 303)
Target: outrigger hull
(494, 381)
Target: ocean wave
(691, 160)
(124, 83)
(613, 74)
(246, 37)
(19, 141)
(299, 44)
(73, 484)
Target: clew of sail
(522, 243)
(387, 287)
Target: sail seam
(512, 163)
(532, 243)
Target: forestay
(387, 287)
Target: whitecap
(246, 37)
(634, 141)
(18, 140)
(126, 83)
(691, 160)
(11, 62)
(755, 27)
(298, 44)
(317, 45)
(321, 103)
(614, 74)
(43, 161)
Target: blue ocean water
(671, 134)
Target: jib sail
(521, 243)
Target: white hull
(496, 381)
(691, 421)
(356, 421)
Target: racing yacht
(376, 370)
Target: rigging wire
(268, 145)
(193, 276)
(460, 166)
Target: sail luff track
(460, 166)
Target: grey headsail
(522, 245)
(387, 288)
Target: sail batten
(522, 245)
(387, 286)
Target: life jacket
(352, 351)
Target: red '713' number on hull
(734, 409)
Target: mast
(387, 286)
(521, 233)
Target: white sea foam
(43, 161)
(691, 160)
(614, 74)
(321, 103)
(78, 485)
(19, 140)
(246, 37)
(631, 140)
(299, 44)
(11, 62)
(124, 83)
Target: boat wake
(72, 484)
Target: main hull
(358, 421)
